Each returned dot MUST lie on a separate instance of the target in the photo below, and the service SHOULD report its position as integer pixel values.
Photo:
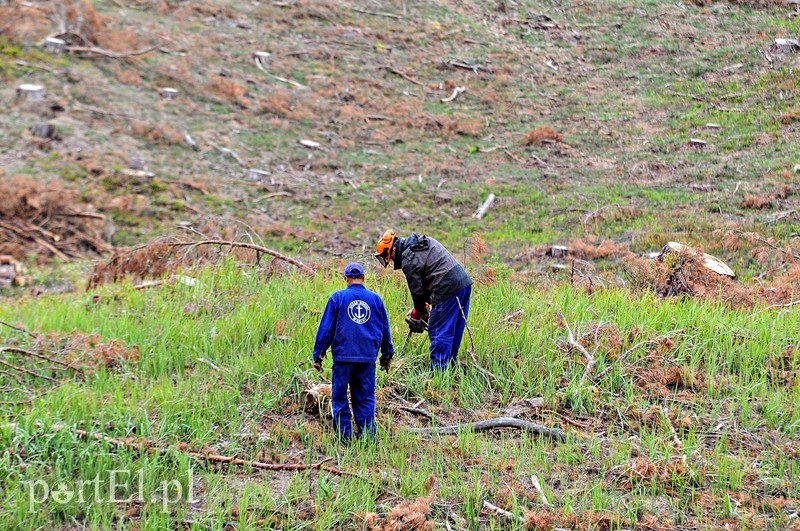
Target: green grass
(257, 333)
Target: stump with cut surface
(168, 93)
(54, 46)
(30, 92)
(11, 272)
(316, 400)
(47, 131)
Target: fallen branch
(590, 359)
(252, 246)
(484, 207)
(403, 75)
(621, 358)
(454, 95)
(26, 371)
(109, 53)
(376, 13)
(230, 152)
(493, 424)
(283, 79)
(32, 354)
(18, 329)
(417, 411)
(502, 512)
(767, 243)
(787, 305)
(150, 446)
(538, 487)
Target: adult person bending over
(435, 279)
(355, 327)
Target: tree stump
(261, 57)
(316, 400)
(11, 272)
(257, 176)
(54, 46)
(558, 251)
(31, 92)
(47, 131)
(168, 93)
(137, 163)
(786, 46)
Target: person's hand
(385, 363)
(318, 365)
(417, 322)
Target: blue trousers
(446, 327)
(360, 378)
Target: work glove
(385, 363)
(417, 321)
(318, 365)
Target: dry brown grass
(540, 134)
(160, 133)
(24, 24)
(757, 202)
(229, 90)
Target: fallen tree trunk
(493, 424)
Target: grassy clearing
(688, 403)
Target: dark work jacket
(432, 273)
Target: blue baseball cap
(354, 269)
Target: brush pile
(48, 222)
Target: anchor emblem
(359, 311)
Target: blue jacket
(354, 326)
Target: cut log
(54, 46)
(168, 93)
(316, 400)
(43, 131)
(31, 92)
(484, 207)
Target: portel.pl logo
(115, 486)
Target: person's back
(355, 327)
(359, 325)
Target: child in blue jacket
(355, 326)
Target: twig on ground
(18, 329)
(538, 487)
(150, 446)
(621, 358)
(767, 243)
(493, 424)
(230, 152)
(454, 95)
(590, 359)
(26, 371)
(32, 354)
(376, 13)
(501, 512)
(109, 53)
(403, 75)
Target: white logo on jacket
(359, 312)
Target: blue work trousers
(446, 328)
(360, 378)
